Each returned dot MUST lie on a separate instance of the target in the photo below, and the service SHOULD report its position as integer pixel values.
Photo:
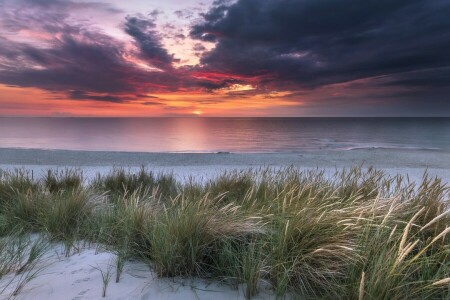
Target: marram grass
(358, 234)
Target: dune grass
(356, 235)
(20, 261)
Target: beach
(224, 149)
(79, 275)
(411, 162)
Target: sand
(203, 165)
(77, 277)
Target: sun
(197, 112)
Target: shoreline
(94, 157)
(322, 149)
(412, 163)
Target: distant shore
(393, 161)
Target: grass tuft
(357, 234)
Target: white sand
(406, 162)
(78, 277)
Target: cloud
(81, 95)
(89, 61)
(219, 84)
(198, 47)
(335, 54)
(148, 41)
(49, 16)
(151, 103)
(71, 5)
(313, 43)
(146, 96)
(186, 14)
(82, 61)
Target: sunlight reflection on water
(224, 134)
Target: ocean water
(239, 135)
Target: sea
(234, 135)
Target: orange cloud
(16, 101)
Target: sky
(224, 58)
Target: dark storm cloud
(72, 63)
(151, 103)
(73, 57)
(398, 49)
(147, 39)
(81, 95)
(81, 61)
(88, 62)
(214, 85)
(199, 47)
(146, 96)
(313, 43)
(433, 78)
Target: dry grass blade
(361, 287)
(442, 282)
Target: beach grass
(358, 234)
(21, 257)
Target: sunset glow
(200, 58)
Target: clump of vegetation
(187, 235)
(355, 234)
(20, 258)
(16, 182)
(120, 182)
(61, 214)
(66, 180)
